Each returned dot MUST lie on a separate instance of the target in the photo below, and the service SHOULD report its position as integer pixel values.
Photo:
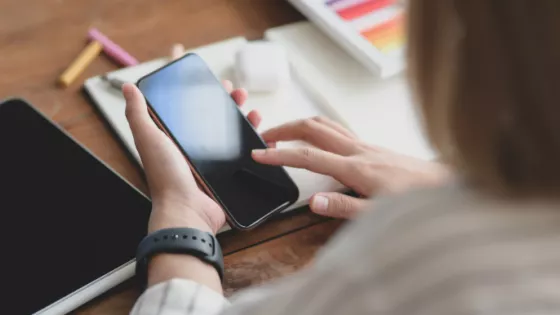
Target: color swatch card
(373, 31)
(381, 22)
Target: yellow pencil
(84, 59)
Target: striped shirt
(438, 251)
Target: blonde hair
(487, 77)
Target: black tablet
(70, 224)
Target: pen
(111, 49)
(82, 61)
(114, 82)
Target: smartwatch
(187, 241)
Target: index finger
(314, 133)
(311, 159)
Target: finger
(254, 118)
(240, 96)
(147, 136)
(228, 85)
(177, 51)
(159, 155)
(334, 125)
(337, 205)
(315, 133)
(137, 111)
(271, 145)
(312, 159)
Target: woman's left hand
(177, 200)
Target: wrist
(181, 253)
(174, 217)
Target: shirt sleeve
(186, 297)
(179, 297)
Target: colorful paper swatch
(387, 36)
(364, 8)
(380, 22)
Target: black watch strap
(197, 243)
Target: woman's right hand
(368, 170)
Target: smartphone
(192, 107)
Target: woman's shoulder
(386, 213)
(430, 222)
(387, 217)
(437, 248)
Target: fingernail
(177, 47)
(320, 203)
(127, 91)
(259, 152)
(177, 50)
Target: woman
(486, 77)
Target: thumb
(337, 205)
(149, 139)
(136, 108)
(146, 133)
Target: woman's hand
(176, 198)
(366, 169)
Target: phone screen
(191, 105)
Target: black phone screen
(203, 119)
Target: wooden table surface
(39, 38)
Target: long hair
(486, 74)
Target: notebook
(380, 111)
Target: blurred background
(40, 38)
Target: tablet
(70, 224)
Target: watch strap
(187, 241)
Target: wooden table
(38, 39)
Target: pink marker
(111, 49)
